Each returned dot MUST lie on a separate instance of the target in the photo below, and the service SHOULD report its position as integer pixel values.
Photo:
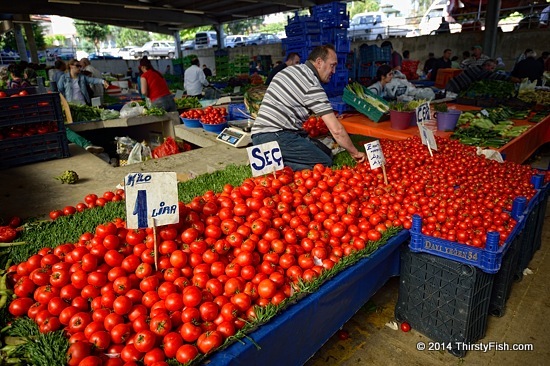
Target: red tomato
(405, 327)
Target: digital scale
(238, 133)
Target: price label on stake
(151, 196)
(265, 158)
(427, 137)
(179, 94)
(423, 112)
(96, 102)
(375, 154)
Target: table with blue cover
(293, 336)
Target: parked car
(161, 49)
(188, 45)
(127, 52)
(206, 39)
(103, 56)
(262, 38)
(235, 41)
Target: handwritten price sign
(375, 154)
(423, 112)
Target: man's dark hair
(446, 50)
(291, 55)
(320, 51)
(406, 53)
(386, 44)
(195, 61)
(489, 61)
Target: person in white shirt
(194, 79)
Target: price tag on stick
(423, 112)
(427, 137)
(179, 94)
(376, 157)
(265, 158)
(151, 196)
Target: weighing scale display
(234, 137)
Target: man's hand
(360, 157)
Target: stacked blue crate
(370, 58)
(333, 20)
(303, 33)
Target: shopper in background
(154, 86)
(543, 57)
(291, 59)
(54, 74)
(89, 70)
(477, 58)
(396, 59)
(429, 64)
(194, 79)
(406, 54)
(529, 68)
(384, 75)
(454, 62)
(206, 70)
(444, 62)
(16, 80)
(296, 94)
(168, 70)
(29, 74)
(73, 84)
(444, 27)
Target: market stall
(518, 150)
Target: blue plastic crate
(308, 40)
(301, 28)
(488, 259)
(236, 111)
(32, 149)
(443, 299)
(333, 15)
(338, 105)
(31, 109)
(374, 53)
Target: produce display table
(518, 150)
(293, 336)
(142, 126)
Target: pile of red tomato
(250, 245)
(30, 129)
(315, 127)
(90, 201)
(214, 115)
(192, 114)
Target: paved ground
(32, 191)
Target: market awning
(160, 16)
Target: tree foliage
(357, 7)
(130, 37)
(7, 40)
(94, 32)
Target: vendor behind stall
(154, 86)
(475, 73)
(294, 94)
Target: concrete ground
(31, 191)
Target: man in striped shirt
(294, 94)
(475, 73)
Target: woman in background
(154, 87)
(384, 75)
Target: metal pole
(491, 27)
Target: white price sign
(427, 137)
(96, 102)
(265, 158)
(151, 196)
(423, 112)
(179, 94)
(375, 154)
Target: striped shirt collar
(310, 65)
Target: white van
(373, 26)
(432, 18)
(206, 39)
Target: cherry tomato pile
(315, 127)
(214, 115)
(22, 93)
(90, 201)
(250, 245)
(192, 114)
(30, 129)
(9, 232)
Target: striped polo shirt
(293, 94)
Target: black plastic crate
(529, 244)
(445, 300)
(25, 150)
(504, 278)
(540, 220)
(31, 109)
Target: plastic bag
(397, 87)
(168, 147)
(131, 109)
(107, 114)
(124, 145)
(140, 152)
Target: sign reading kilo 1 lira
(423, 112)
(265, 158)
(375, 154)
(151, 196)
